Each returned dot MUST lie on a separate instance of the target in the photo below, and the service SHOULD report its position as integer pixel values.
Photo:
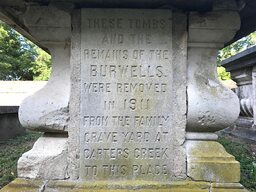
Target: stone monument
(242, 69)
(133, 101)
(128, 95)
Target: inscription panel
(126, 113)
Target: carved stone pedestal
(133, 102)
(208, 161)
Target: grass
(10, 151)
(246, 155)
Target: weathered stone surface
(11, 10)
(50, 104)
(75, 95)
(230, 187)
(201, 136)
(46, 160)
(208, 161)
(133, 94)
(48, 24)
(23, 185)
(52, 28)
(211, 106)
(126, 114)
(181, 186)
(141, 186)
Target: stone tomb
(130, 114)
(133, 101)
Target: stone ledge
(44, 161)
(208, 161)
(20, 185)
(8, 109)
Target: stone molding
(140, 186)
(50, 113)
(208, 161)
(207, 97)
(246, 106)
(46, 160)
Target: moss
(121, 186)
(247, 160)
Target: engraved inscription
(126, 116)
(132, 71)
(124, 54)
(125, 137)
(118, 23)
(126, 121)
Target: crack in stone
(43, 187)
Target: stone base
(209, 161)
(46, 160)
(23, 185)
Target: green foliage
(237, 47)
(223, 74)
(231, 50)
(10, 151)
(247, 161)
(20, 59)
(42, 67)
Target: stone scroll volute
(47, 109)
(211, 106)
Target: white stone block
(46, 160)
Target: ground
(11, 150)
(245, 153)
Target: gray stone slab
(9, 109)
(132, 95)
(10, 126)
